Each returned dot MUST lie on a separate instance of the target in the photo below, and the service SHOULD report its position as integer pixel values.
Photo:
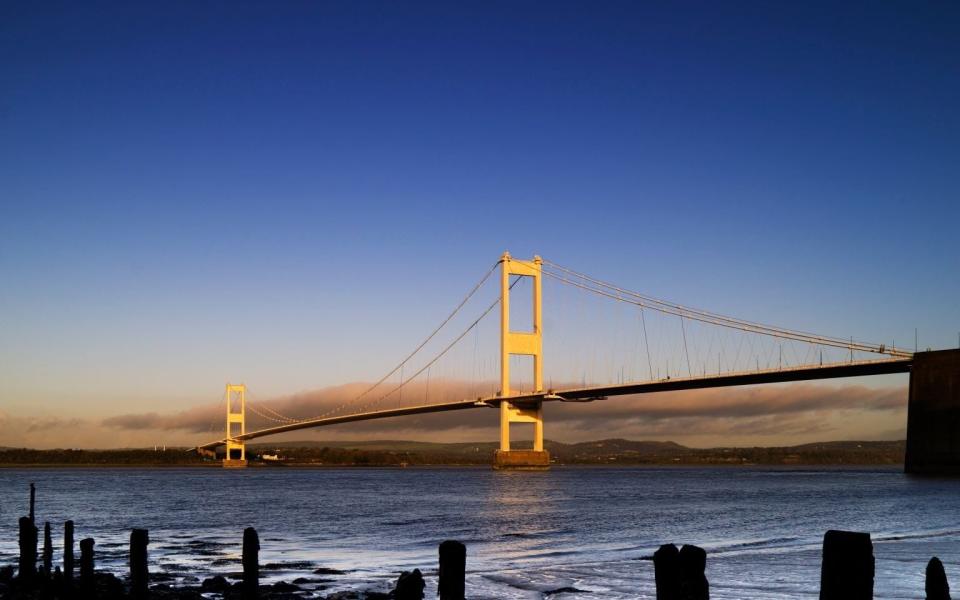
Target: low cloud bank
(790, 413)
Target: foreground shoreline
(369, 541)
(847, 570)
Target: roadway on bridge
(586, 394)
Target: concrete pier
(522, 460)
(933, 418)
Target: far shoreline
(396, 454)
(309, 467)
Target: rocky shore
(36, 577)
(847, 572)
(109, 587)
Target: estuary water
(528, 535)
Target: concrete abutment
(933, 417)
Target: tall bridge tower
(236, 451)
(523, 343)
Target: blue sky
(294, 194)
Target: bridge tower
(523, 343)
(236, 451)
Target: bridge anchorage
(933, 444)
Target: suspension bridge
(745, 353)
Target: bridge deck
(831, 371)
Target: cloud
(801, 411)
(37, 424)
(57, 432)
(748, 402)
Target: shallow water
(526, 533)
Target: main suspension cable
(403, 362)
(617, 293)
(456, 310)
(434, 360)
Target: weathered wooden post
(666, 569)
(139, 574)
(693, 580)
(251, 566)
(28, 549)
(88, 586)
(33, 501)
(453, 566)
(68, 552)
(47, 550)
(846, 572)
(937, 587)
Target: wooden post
(139, 574)
(937, 587)
(47, 550)
(666, 569)
(251, 566)
(88, 586)
(453, 566)
(693, 581)
(33, 501)
(68, 552)
(28, 549)
(846, 572)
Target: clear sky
(293, 194)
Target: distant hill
(610, 451)
(398, 452)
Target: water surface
(527, 534)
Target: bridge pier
(522, 343)
(933, 415)
(535, 459)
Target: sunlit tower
(236, 452)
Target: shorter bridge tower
(236, 451)
(523, 343)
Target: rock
(409, 586)
(217, 584)
(283, 586)
(109, 586)
(563, 590)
